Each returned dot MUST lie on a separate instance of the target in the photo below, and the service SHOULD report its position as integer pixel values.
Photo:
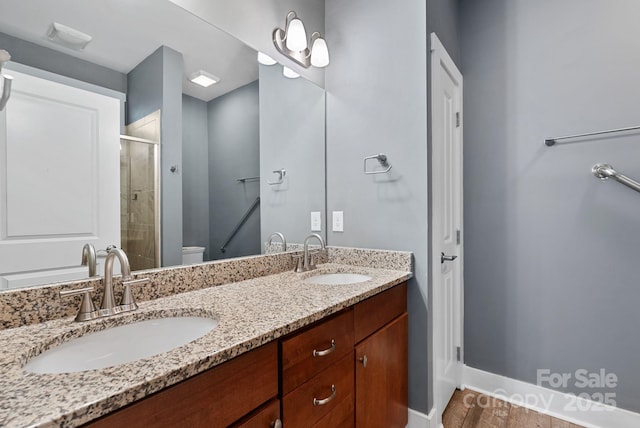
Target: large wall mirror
(180, 169)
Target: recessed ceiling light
(265, 59)
(203, 78)
(68, 37)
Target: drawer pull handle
(276, 424)
(324, 401)
(364, 360)
(325, 351)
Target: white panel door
(59, 180)
(446, 224)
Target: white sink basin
(119, 345)
(337, 278)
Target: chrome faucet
(282, 238)
(307, 256)
(89, 258)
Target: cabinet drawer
(336, 405)
(331, 340)
(264, 417)
(215, 398)
(373, 313)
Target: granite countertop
(250, 313)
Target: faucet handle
(128, 303)
(299, 258)
(313, 254)
(87, 308)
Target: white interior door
(59, 180)
(447, 261)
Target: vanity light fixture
(68, 37)
(319, 51)
(295, 33)
(265, 59)
(289, 73)
(203, 78)
(292, 43)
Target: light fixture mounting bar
(301, 58)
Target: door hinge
(457, 119)
(458, 353)
(458, 236)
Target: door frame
(440, 60)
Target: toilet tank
(192, 255)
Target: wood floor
(469, 409)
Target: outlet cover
(338, 221)
(316, 221)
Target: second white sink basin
(337, 278)
(119, 345)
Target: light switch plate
(338, 221)
(316, 221)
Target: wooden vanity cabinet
(216, 398)
(381, 360)
(347, 370)
(363, 356)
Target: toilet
(192, 255)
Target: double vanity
(245, 342)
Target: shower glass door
(140, 202)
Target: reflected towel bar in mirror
(382, 160)
(244, 180)
(281, 174)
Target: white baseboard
(420, 420)
(580, 411)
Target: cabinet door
(382, 377)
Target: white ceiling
(125, 32)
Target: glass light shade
(319, 53)
(296, 36)
(265, 59)
(289, 73)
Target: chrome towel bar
(552, 141)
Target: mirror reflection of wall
(206, 144)
(292, 135)
(221, 145)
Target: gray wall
(28, 53)
(156, 83)
(442, 19)
(551, 256)
(195, 174)
(377, 102)
(292, 136)
(234, 152)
